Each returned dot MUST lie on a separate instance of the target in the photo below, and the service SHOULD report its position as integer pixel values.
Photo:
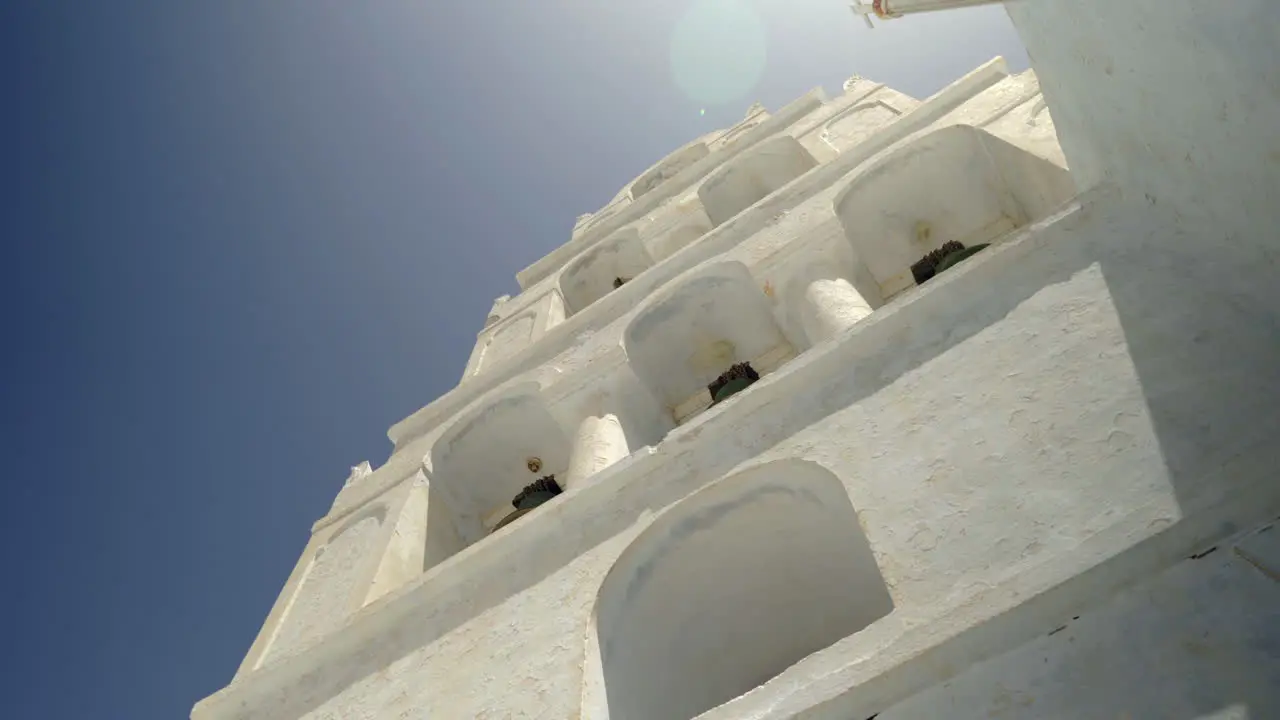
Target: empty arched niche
(328, 590)
(753, 176)
(729, 588)
(603, 268)
(959, 185)
(687, 338)
(682, 234)
(668, 168)
(485, 462)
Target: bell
(957, 256)
(730, 389)
(508, 519)
(732, 381)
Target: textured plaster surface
(322, 600)
(580, 336)
(752, 176)
(812, 223)
(1199, 640)
(1018, 429)
(1172, 101)
(682, 180)
(403, 557)
(1045, 431)
(731, 587)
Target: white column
(830, 305)
(599, 443)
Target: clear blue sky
(243, 238)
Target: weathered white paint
(729, 588)
(1199, 640)
(829, 305)
(325, 594)
(481, 463)
(404, 554)
(599, 443)
(1048, 430)
(779, 122)
(956, 184)
(668, 168)
(753, 176)
(978, 97)
(1172, 102)
(692, 333)
(591, 275)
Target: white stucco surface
(957, 184)
(734, 585)
(753, 176)
(1199, 640)
(982, 92)
(990, 495)
(324, 597)
(705, 323)
(591, 275)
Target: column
(599, 443)
(830, 305)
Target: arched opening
(687, 339)
(483, 469)
(754, 176)
(669, 167)
(603, 268)
(729, 588)
(937, 200)
(683, 234)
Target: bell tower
(866, 406)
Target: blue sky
(244, 238)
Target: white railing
(888, 9)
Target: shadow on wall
(1199, 641)
(748, 179)
(958, 184)
(697, 329)
(603, 268)
(730, 587)
(483, 461)
(667, 168)
(1197, 323)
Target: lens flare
(718, 51)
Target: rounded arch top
(701, 324)
(752, 176)
(959, 184)
(667, 168)
(482, 461)
(728, 588)
(599, 269)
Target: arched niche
(753, 176)
(596, 272)
(668, 168)
(680, 236)
(482, 462)
(507, 340)
(713, 318)
(329, 589)
(958, 184)
(726, 590)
